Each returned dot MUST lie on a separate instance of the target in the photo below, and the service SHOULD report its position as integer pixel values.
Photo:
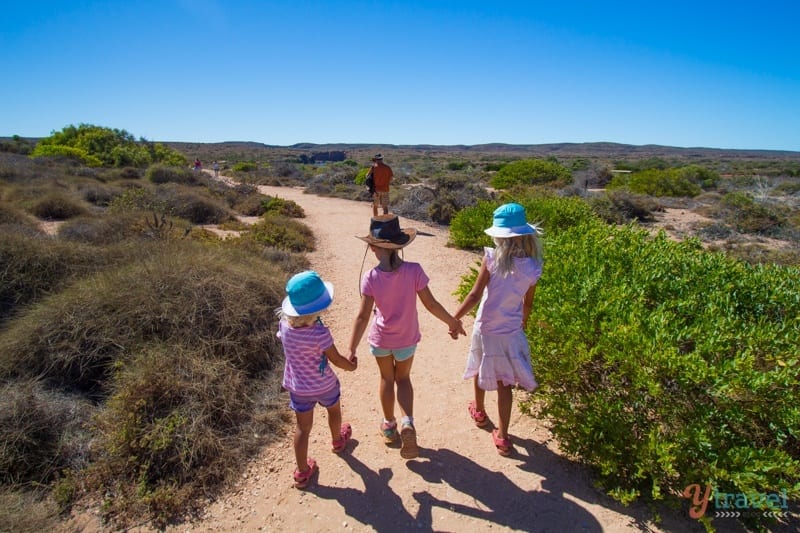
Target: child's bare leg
(335, 420)
(480, 396)
(405, 389)
(504, 399)
(386, 389)
(305, 422)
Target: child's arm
(361, 322)
(527, 305)
(475, 293)
(339, 360)
(435, 308)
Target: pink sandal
(344, 435)
(301, 479)
(479, 417)
(503, 445)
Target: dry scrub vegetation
(138, 363)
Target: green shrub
(245, 166)
(662, 365)
(78, 154)
(531, 172)
(655, 182)
(281, 232)
(281, 206)
(96, 146)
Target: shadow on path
(378, 505)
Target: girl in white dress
(499, 356)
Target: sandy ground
(459, 482)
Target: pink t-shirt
(395, 324)
(303, 350)
(500, 310)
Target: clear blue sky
(711, 74)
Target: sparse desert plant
(619, 206)
(656, 182)
(196, 205)
(749, 216)
(159, 174)
(245, 166)
(58, 206)
(41, 431)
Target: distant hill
(603, 150)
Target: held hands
(353, 361)
(456, 328)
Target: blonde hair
(509, 248)
(301, 321)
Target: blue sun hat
(306, 294)
(510, 220)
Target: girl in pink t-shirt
(392, 288)
(308, 348)
(500, 357)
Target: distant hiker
(499, 356)
(215, 166)
(308, 348)
(382, 177)
(197, 165)
(392, 288)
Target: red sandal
(340, 444)
(503, 446)
(301, 479)
(479, 417)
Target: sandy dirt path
(459, 482)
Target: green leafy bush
(531, 172)
(71, 152)
(245, 166)
(98, 146)
(281, 206)
(663, 365)
(281, 232)
(655, 182)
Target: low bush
(531, 172)
(58, 206)
(281, 232)
(159, 174)
(177, 292)
(196, 205)
(748, 216)
(178, 423)
(655, 182)
(245, 166)
(280, 206)
(42, 432)
(621, 207)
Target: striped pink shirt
(303, 350)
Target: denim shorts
(401, 354)
(303, 403)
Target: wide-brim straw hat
(307, 294)
(385, 232)
(510, 220)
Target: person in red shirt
(382, 176)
